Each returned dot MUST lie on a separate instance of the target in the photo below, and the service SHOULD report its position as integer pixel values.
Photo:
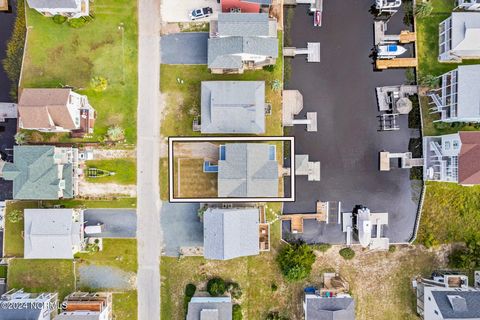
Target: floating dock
(381, 37)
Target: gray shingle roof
(233, 107)
(472, 300)
(468, 98)
(330, 308)
(243, 24)
(50, 233)
(35, 174)
(203, 308)
(52, 4)
(230, 233)
(29, 311)
(461, 22)
(247, 171)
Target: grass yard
(124, 169)
(125, 306)
(191, 182)
(164, 179)
(427, 40)
(449, 218)
(77, 203)
(119, 253)
(42, 276)
(182, 100)
(58, 55)
(13, 238)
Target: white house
(55, 110)
(67, 8)
(473, 5)
(87, 306)
(459, 37)
(458, 98)
(16, 304)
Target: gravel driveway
(184, 48)
(119, 223)
(103, 277)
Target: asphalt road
(184, 48)
(118, 223)
(341, 89)
(149, 237)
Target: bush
(12, 64)
(77, 23)
(347, 253)
(273, 287)
(430, 81)
(429, 240)
(269, 68)
(296, 261)
(21, 138)
(234, 289)
(59, 19)
(190, 290)
(275, 315)
(115, 133)
(392, 248)
(99, 84)
(216, 287)
(466, 258)
(237, 312)
(423, 9)
(322, 247)
(15, 216)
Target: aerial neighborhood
(239, 159)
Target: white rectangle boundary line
(171, 140)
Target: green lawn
(125, 306)
(427, 40)
(124, 169)
(183, 98)
(13, 230)
(450, 213)
(42, 276)
(119, 253)
(75, 203)
(59, 55)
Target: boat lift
(388, 122)
(388, 6)
(316, 8)
(406, 160)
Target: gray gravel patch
(104, 277)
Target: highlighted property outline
(172, 140)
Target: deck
(3, 5)
(396, 63)
(297, 219)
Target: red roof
(244, 7)
(469, 158)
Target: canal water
(7, 21)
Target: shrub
(269, 68)
(429, 240)
(296, 261)
(322, 247)
(234, 289)
(237, 312)
(216, 287)
(347, 253)
(99, 84)
(392, 248)
(15, 216)
(468, 257)
(77, 23)
(115, 133)
(273, 287)
(275, 315)
(21, 138)
(430, 81)
(423, 9)
(59, 19)
(190, 290)
(12, 64)
(276, 85)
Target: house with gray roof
(42, 172)
(458, 97)
(248, 170)
(19, 305)
(459, 37)
(339, 307)
(210, 308)
(233, 107)
(230, 233)
(53, 233)
(67, 8)
(240, 41)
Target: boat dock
(3, 5)
(382, 64)
(327, 212)
(312, 51)
(380, 28)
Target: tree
(347, 253)
(20, 138)
(234, 289)
(59, 19)
(296, 261)
(467, 257)
(15, 216)
(99, 84)
(216, 287)
(115, 133)
(276, 85)
(237, 312)
(423, 9)
(275, 315)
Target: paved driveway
(178, 10)
(119, 223)
(341, 89)
(181, 227)
(184, 48)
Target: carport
(118, 223)
(184, 48)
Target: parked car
(200, 13)
(94, 229)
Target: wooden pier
(382, 64)
(3, 5)
(296, 219)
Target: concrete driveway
(119, 223)
(181, 227)
(341, 89)
(184, 48)
(178, 10)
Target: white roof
(468, 93)
(465, 31)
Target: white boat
(386, 5)
(390, 51)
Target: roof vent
(458, 303)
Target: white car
(200, 13)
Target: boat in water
(390, 51)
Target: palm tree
(423, 9)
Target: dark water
(7, 21)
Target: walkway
(149, 236)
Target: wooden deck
(3, 5)
(296, 219)
(407, 37)
(396, 63)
